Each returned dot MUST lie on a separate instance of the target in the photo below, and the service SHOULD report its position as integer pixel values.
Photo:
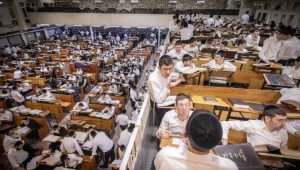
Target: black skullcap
(287, 30)
(203, 130)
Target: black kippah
(203, 130)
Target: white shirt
(17, 96)
(172, 123)
(18, 74)
(70, 145)
(186, 33)
(193, 51)
(84, 107)
(226, 66)
(245, 19)
(257, 133)
(175, 55)
(251, 41)
(158, 86)
(124, 138)
(122, 119)
(293, 126)
(9, 142)
(7, 50)
(171, 158)
(16, 157)
(219, 22)
(289, 94)
(210, 22)
(292, 72)
(6, 116)
(103, 142)
(270, 49)
(183, 69)
(289, 49)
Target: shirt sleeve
(78, 149)
(293, 126)
(229, 67)
(159, 94)
(245, 126)
(163, 125)
(94, 149)
(12, 160)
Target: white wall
(98, 19)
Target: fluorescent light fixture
(200, 2)
(172, 2)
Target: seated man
(293, 71)
(46, 96)
(17, 96)
(109, 110)
(219, 64)
(253, 39)
(267, 131)
(81, 106)
(202, 132)
(105, 99)
(6, 116)
(174, 121)
(185, 65)
(18, 74)
(178, 52)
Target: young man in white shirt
(6, 116)
(203, 132)
(185, 65)
(218, 63)
(253, 38)
(125, 136)
(245, 18)
(105, 144)
(17, 74)
(186, 33)
(47, 95)
(210, 22)
(17, 156)
(178, 52)
(174, 121)
(70, 145)
(159, 82)
(270, 130)
(290, 45)
(17, 96)
(270, 48)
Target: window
(122, 1)
(98, 1)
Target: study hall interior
(149, 84)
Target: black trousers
(108, 157)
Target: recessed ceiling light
(1, 2)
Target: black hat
(203, 130)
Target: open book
(170, 100)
